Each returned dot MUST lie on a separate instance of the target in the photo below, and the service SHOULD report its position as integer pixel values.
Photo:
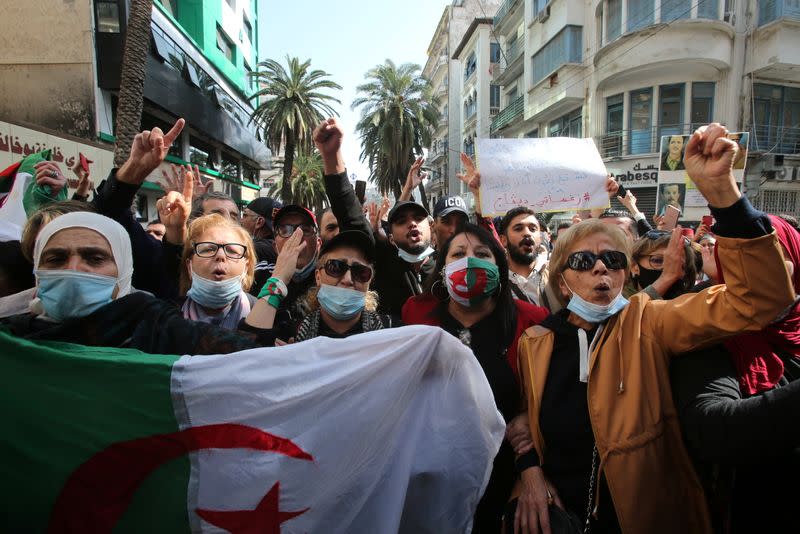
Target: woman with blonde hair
(607, 443)
(217, 268)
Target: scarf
(228, 318)
(309, 328)
(755, 355)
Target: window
(494, 96)
(564, 48)
(675, 9)
(230, 165)
(613, 20)
(248, 28)
(702, 103)
(201, 153)
(611, 144)
(469, 146)
(641, 121)
(533, 134)
(470, 66)
(494, 52)
(511, 95)
(640, 14)
(708, 9)
(777, 118)
(670, 105)
(769, 10)
(250, 174)
(107, 16)
(148, 122)
(569, 125)
(225, 45)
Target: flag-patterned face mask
(471, 280)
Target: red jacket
(421, 310)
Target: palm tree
(131, 85)
(399, 114)
(291, 105)
(308, 187)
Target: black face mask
(647, 276)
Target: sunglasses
(338, 268)
(585, 260)
(286, 230)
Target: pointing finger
(188, 186)
(174, 132)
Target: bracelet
(274, 290)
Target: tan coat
(651, 478)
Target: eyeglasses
(655, 261)
(338, 268)
(207, 249)
(584, 260)
(286, 230)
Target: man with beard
(520, 234)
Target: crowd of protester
(648, 377)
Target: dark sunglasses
(338, 268)
(585, 260)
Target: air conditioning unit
(773, 162)
(544, 14)
(786, 174)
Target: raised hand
(372, 215)
(174, 210)
(149, 149)
(286, 264)
(328, 140)
(708, 160)
(629, 201)
(611, 186)
(383, 214)
(174, 180)
(674, 262)
(471, 177)
(710, 264)
(414, 176)
(49, 173)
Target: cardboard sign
(552, 174)
(675, 187)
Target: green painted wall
(199, 19)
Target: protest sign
(676, 188)
(553, 174)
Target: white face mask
(414, 258)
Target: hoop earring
(434, 291)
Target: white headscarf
(114, 233)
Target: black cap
(265, 207)
(294, 208)
(351, 238)
(449, 204)
(403, 204)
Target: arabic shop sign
(635, 172)
(17, 142)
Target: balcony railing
(775, 139)
(509, 113)
(507, 6)
(514, 51)
(775, 9)
(638, 141)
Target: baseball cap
(419, 208)
(449, 204)
(265, 207)
(352, 238)
(293, 208)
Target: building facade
(200, 55)
(626, 72)
(445, 73)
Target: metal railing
(638, 140)
(775, 139)
(504, 9)
(514, 51)
(509, 113)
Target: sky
(346, 38)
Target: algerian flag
(391, 431)
(20, 196)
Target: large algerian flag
(20, 196)
(391, 431)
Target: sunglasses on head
(585, 260)
(658, 234)
(338, 268)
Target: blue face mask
(595, 313)
(341, 303)
(303, 274)
(414, 258)
(213, 294)
(66, 293)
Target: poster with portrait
(674, 185)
